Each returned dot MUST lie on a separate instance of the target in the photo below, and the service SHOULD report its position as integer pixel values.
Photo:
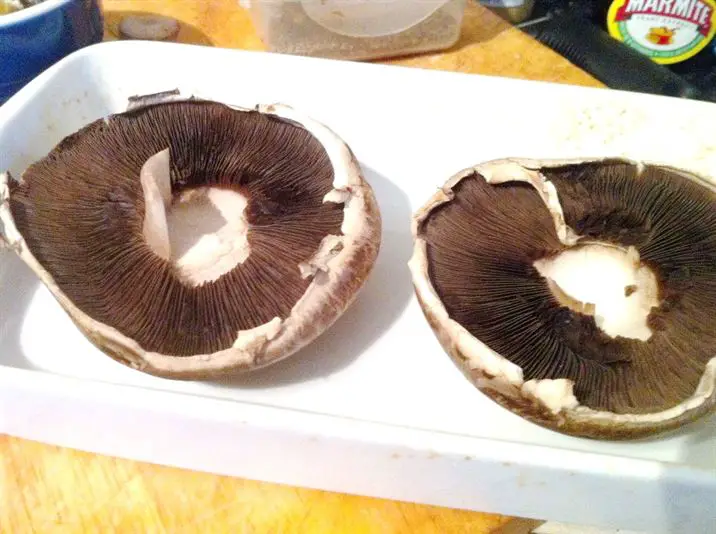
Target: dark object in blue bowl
(34, 38)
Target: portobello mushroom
(580, 295)
(188, 238)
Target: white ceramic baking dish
(375, 406)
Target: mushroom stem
(607, 282)
(201, 231)
(157, 189)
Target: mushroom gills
(617, 304)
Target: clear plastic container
(356, 29)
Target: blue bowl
(34, 38)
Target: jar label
(668, 31)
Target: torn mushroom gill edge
(252, 348)
(497, 372)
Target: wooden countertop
(47, 489)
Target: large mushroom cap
(578, 294)
(187, 238)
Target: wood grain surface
(47, 489)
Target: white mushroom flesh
(617, 289)
(201, 231)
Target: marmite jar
(679, 34)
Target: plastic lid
(370, 18)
